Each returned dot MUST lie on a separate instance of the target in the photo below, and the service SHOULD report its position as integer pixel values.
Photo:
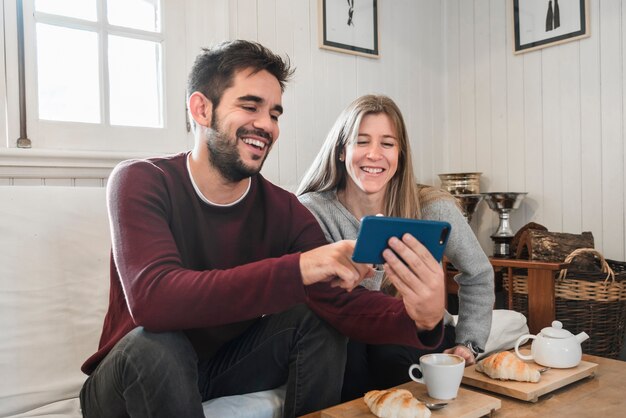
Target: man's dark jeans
(158, 374)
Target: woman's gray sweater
(476, 285)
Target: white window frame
(3, 88)
(50, 136)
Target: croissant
(395, 403)
(506, 366)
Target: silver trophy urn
(465, 187)
(503, 204)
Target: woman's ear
(200, 108)
(342, 154)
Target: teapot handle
(517, 343)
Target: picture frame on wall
(349, 26)
(542, 23)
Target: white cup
(441, 373)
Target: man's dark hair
(214, 69)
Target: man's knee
(321, 337)
(313, 322)
(144, 372)
(161, 350)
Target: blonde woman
(364, 168)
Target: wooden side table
(541, 279)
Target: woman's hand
(419, 279)
(461, 350)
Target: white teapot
(554, 347)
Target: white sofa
(54, 283)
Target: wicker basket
(594, 302)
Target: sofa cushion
(54, 256)
(506, 327)
(266, 404)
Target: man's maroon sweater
(179, 263)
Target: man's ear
(200, 108)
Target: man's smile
(254, 142)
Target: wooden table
(602, 396)
(541, 279)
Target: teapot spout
(582, 337)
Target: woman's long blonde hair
(404, 197)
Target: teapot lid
(556, 331)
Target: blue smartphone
(375, 232)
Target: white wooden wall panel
(482, 150)
(452, 155)
(591, 128)
(615, 197)
(286, 148)
(266, 35)
(490, 146)
(207, 23)
(570, 116)
(611, 52)
(551, 152)
(62, 182)
(422, 97)
(422, 148)
(409, 70)
(533, 136)
(305, 132)
(433, 84)
(467, 82)
(3, 109)
(555, 118)
(512, 147)
(498, 177)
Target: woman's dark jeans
(372, 367)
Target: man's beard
(224, 154)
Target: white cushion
(267, 404)
(53, 291)
(67, 408)
(54, 284)
(506, 327)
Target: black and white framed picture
(349, 26)
(542, 23)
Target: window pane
(81, 9)
(67, 62)
(135, 82)
(136, 14)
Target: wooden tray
(550, 380)
(468, 404)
